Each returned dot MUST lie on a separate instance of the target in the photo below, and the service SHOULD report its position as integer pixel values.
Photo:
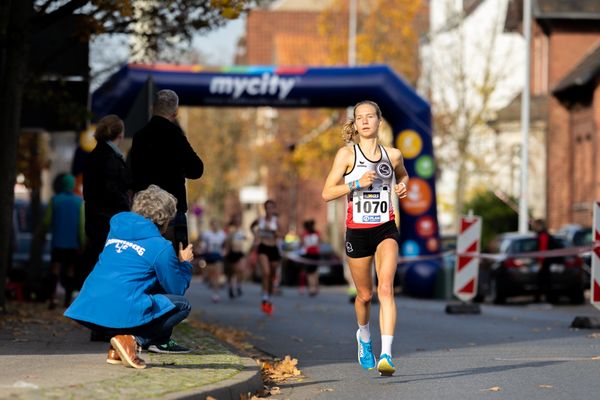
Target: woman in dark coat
(105, 186)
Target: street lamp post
(523, 206)
(352, 34)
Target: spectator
(105, 186)
(545, 242)
(161, 155)
(135, 292)
(64, 219)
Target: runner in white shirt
(368, 174)
(212, 251)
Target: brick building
(564, 75)
(288, 34)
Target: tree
(386, 34)
(223, 145)
(497, 216)
(168, 21)
(468, 66)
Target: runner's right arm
(344, 159)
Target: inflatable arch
(407, 113)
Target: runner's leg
(360, 269)
(387, 252)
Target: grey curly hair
(155, 204)
(166, 103)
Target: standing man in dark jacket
(105, 186)
(161, 155)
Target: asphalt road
(518, 351)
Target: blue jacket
(136, 265)
(64, 219)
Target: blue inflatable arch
(408, 114)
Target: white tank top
(267, 229)
(371, 206)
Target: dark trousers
(177, 232)
(157, 331)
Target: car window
(325, 248)
(583, 238)
(524, 245)
(504, 245)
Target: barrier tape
(569, 251)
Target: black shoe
(239, 291)
(171, 347)
(231, 294)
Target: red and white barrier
(595, 293)
(466, 271)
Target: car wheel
(577, 297)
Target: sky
(219, 45)
(108, 53)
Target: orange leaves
(229, 9)
(280, 371)
(229, 335)
(387, 32)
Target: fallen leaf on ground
(545, 386)
(327, 390)
(594, 336)
(492, 389)
(280, 371)
(234, 337)
(596, 358)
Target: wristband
(350, 186)
(357, 184)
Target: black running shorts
(363, 242)
(272, 252)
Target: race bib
(371, 207)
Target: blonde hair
(348, 130)
(109, 128)
(155, 204)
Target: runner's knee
(364, 296)
(385, 291)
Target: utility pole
(523, 206)
(352, 34)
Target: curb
(248, 380)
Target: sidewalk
(45, 355)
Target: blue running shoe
(366, 359)
(385, 366)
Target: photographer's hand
(186, 254)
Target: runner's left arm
(401, 174)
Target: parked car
(21, 240)
(330, 269)
(578, 236)
(511, 275)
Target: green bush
(497, 216)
